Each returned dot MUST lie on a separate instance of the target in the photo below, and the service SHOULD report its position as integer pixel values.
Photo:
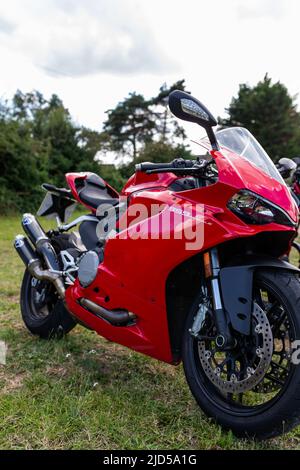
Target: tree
(39, 143)
(167, 127)
(69, 147)
(269, 112)
(129, 124)
(24, 163)
(25, 106)
(113, 175)
(90, 142)
(136, 122)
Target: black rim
(280, 371)
(42, 298)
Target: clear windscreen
(242, 142)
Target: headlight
(253, 209)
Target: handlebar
(152, 166)
(179, 165)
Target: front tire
(265, 414)
(43, 313)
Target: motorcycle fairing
(238, 301)
(134, 272)
(236, 171)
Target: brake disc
(239, 381)
(279, 367)
(270, 386)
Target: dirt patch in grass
(11, 382)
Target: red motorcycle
(184, 265)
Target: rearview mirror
(188, 108)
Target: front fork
(224, 339)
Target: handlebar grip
(152, 166)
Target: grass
(85, 393)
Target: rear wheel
(43, 312)
(254, 390)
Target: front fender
(236, 283)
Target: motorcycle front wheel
(272, 406)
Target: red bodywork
(133, 274)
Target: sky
(92, 53)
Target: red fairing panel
(134, 272)
(238, 172)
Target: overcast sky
(92, 53)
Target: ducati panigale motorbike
(185, 264)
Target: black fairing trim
(88, 234)
(236, 284)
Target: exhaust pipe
(34, 265)
(115, 317)
(40, 240)
(25, 250)
(44, 248)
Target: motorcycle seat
(94, 192)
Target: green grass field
(85, 393)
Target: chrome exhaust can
(40, 240)
(25, 250)
(44, 256)
(33, 229)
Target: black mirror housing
(188, 108)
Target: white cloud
(92, 53)
(83, 38)
(261, 9)
(6, 26)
